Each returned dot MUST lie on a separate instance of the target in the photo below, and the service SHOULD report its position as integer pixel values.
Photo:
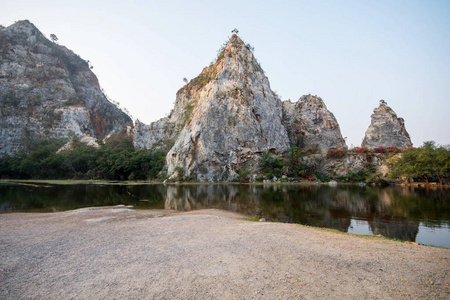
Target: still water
(411, 214)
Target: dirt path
(118, 253)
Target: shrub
(336, 152)
(362, 150)
(393, 150)
(380, 150)
(243, 177)
(270, 165)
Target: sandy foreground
(120, 253)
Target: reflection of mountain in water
(393, 211)
(236, 198)
(388, 210)
(402, 230)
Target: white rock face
(225, 117)
(157, 135)
(309, 123)
(90, 141)
(229, 114)
(386, 130)
(46, 91)
(222, 119)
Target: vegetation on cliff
(429, 163)
(119, 160)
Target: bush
(380, 150)
(336, 152)
(362, 150)
(270, 165)
(393, 150)
(243, 177)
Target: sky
(351, 53)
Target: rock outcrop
(386, 130)
(222, 119)
(309, 123)
(228, 115)
(47, 91)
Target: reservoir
(413, 214)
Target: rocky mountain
(228, 115)
(47, 91)
(310, 123)
(386, 130)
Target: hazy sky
(350, 53)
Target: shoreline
(431, 185)
(120, 252)
(235, 215)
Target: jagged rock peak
(309, 123)
(386, 130)
(47, 91)
(25, 26)
(222, 119)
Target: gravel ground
(120, 253)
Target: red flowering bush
(336, 152)
(393, 150)
(380, 150)
(362, 150)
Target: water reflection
(394, 212)
(405, 213)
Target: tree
(185, 80)
(424, 162)
(54, 38)
(383, 102)
(235, 31)
(441, 162)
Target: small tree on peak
(235, 31)
(383, 102)
(185, 80)
(54, 38)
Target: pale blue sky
(350, 53)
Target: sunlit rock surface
(222, 119)
(228, 115)
(386, 130)
(47, 91)
(309, 123)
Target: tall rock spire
(225, 116)
(228, 115)
(386, 130)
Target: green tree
(270, 165)
(441, 163)
(424, 162)
(54, 38)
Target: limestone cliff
(309, 123)
(386, 130)
(225, 117)
(47, 91)
(222, 119)
(229, 114)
